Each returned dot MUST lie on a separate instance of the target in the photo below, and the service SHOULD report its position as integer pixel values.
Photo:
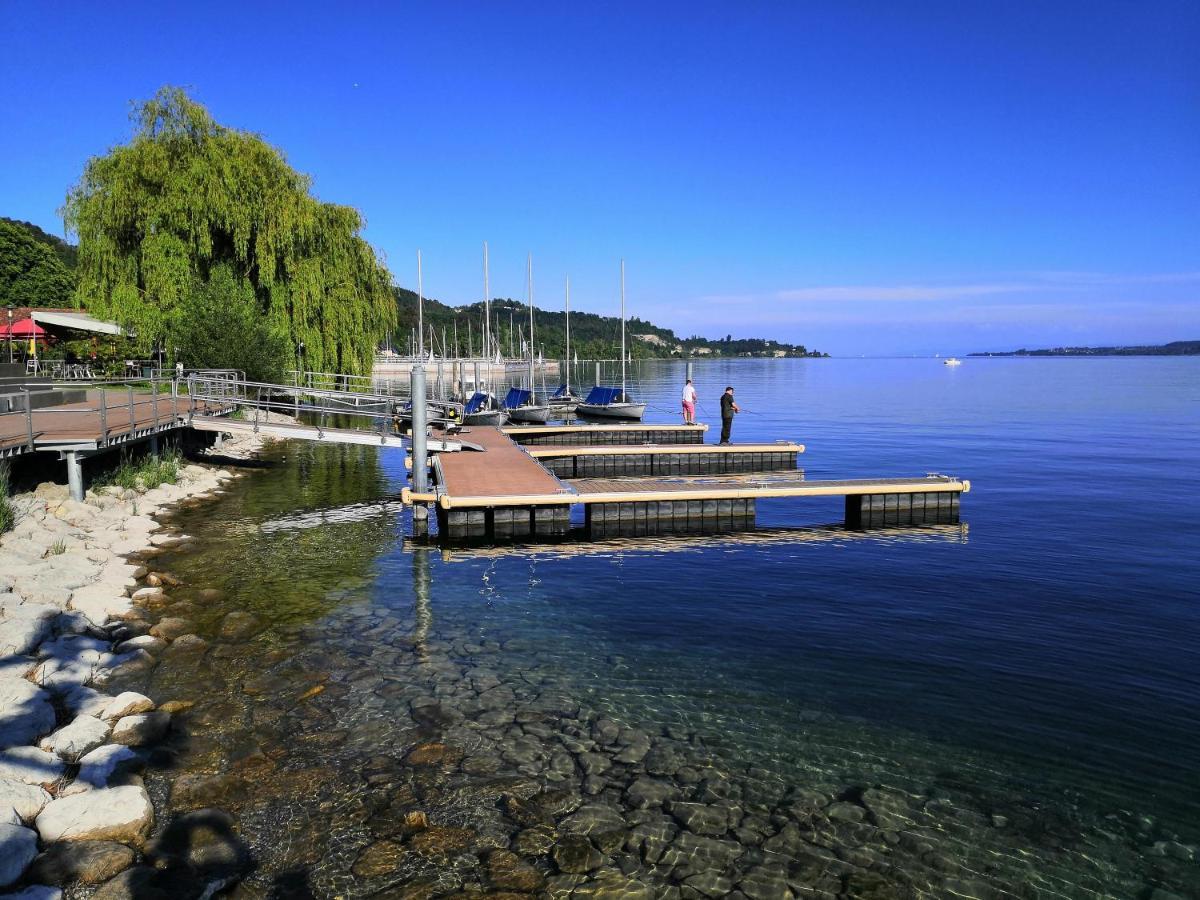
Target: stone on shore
(104, 767)
(84, 734)
(26, 800)
(30, 765)
(141, 729)
(127, 703)
(18, 847)
(87, 862)
(25, 712)
(172, 627)
(107, 814)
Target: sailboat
(482, 408)
(521, 403)
(563, 401)
(608, 402)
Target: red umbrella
(26, 328)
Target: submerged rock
(508, 871)
(88, 862)
(380, 858)
(575, 855)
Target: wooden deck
(502, 470)
(104, 418)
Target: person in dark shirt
(728, 408)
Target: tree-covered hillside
(592, 336)
(33, 268)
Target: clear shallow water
(1028, 684)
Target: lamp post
(10, 309)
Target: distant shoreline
(1175, 348)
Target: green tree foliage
(31, 273)
(68, 253)
(186, 196)
(219, 325)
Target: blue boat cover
(475, 403)
(603, 396)
(562, 391)
(517, 397)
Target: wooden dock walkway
(105, 418)
(510, 491)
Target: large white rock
(72, 741)
(16, 666)
(101, 601)
(96, 770)
(25, 712)
(26, 800)
(127, 704)
(30, 765)
(85, 701)
(23, 626)
(18, 847)
(107, 814)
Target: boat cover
(517, 397)
(603, 396)
(475, 403)
(561, 392)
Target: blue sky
(860, 177)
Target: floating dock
(627, 484)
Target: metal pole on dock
(420, 311)
(597, 372)
(420, 449)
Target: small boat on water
(520, 402)
(564, 401)
(608, 402)
(519, 405)
(482, 409)
(951, 361)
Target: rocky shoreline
(74, 619)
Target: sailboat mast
(622, 331)
(420, 311)
(567, 361)
(487, 314)
(529, 276)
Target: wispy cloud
(1048, 283)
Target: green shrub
(146, 474)
(8, 516)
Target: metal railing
(119, 408)
(311, 395)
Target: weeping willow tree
(187, 198)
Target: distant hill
(592, 336)
(68, 253)
(1175, 348)
(36, 268)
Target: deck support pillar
(75, 475)
(154, 444)
(420, 449)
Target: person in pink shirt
(689, 403)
